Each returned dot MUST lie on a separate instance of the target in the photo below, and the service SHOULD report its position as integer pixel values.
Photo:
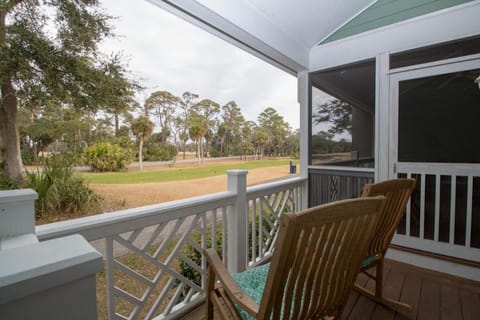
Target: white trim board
(441, 26)
(455, 269)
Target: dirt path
(123, 196)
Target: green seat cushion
(368, 261)
(252, 281)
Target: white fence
(154, 264)
(443, 215)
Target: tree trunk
(198, 151)
(184, 146)
(9, 137)
(140, 154)
(117, 123)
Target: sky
(167, 53)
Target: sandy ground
(123, 196)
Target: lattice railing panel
(328, 185)
(154, 266)
(153, 270)
(265, 211)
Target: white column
(304, 101)
(237, 222)
(382, 117)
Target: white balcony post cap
(37, 267)
(17, 212)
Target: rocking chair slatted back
(397, 192)
(316, 259)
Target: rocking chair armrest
(233, 290)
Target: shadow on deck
(432, 295)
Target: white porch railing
(154, 266)
(266, 204)
(443, 215)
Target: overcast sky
(167, 53)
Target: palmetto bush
(105, 156)
(154, 152)
(61, 190)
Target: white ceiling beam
(279, 50)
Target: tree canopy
(58, 94)
(338, 113)
(50, 57)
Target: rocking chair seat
(252, 281)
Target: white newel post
(54, 279)
(237, 222)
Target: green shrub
(5, 182)
(60, 190)
(194, 255)
(28, 156)
(215, 153)
(154, 152)
(107, 157)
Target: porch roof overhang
(280, 32)
(290, 34)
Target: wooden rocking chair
(397, 192)
(312, 270)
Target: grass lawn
(175, 174)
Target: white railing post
(54, 279)
(237, 222)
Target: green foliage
(162, 104)
(28, 156)
(5, 182)
(266, 229)
(338, 113)
(107, 157)
(323, 142)
(215, 153)
(155, 152)
(194, 255)
(60, 190)
(142, 127)
(49, 54)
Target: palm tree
(142, 128)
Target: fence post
(237, 222)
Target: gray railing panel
(328, 184)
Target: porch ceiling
(301, 22)
(280, 31)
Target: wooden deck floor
(432, 295)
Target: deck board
(363, 306)
(432, 295)
(392, 289)
(429, 300)
(469, 300)
(411, 294)
(450, 305)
